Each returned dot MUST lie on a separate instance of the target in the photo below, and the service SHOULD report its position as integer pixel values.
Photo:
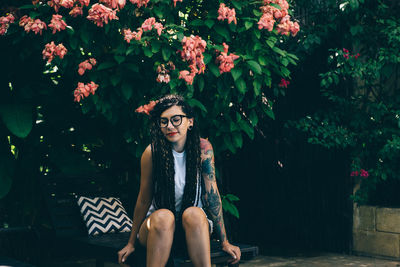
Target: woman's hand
(124, 253)
(232, 250)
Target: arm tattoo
(213, 203)
(208, 168)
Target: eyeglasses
(176, 120)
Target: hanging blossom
(162, 70)
(114, 4)
(5, 23)
(146, 108)
(192, 52)
(140, 3)
(129, 35)
(86, 65)
(56, 4)
(272, 14)
(175, 1)
(362, 173)
(101, 14)
(225, 12)
(51, 50)
(57, 23)
(29, 24)
(76, 11)
(225, 62)
(84, 90)
(284, 83)
(149, 23)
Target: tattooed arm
(212, 199)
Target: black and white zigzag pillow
(104, 215)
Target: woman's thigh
(161, 218)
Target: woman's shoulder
(205, 145)
(147, 153)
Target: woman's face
(174, 133)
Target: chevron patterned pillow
(104, 215)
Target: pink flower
(226, 13)
(30, 24)
(84, 2)
(140, 3)
(284, 83)
(159, 27)
(114, 4)
(51, 50)
(76, 11)
(86, 65)
(162, 71)
(148, 24)
(266, 22)
(101, 14)
(354, 173)
(83, 90)
(146, 108)
(226, 62)
(129, 35)
(5, 23)
(175, 1)
(187, 76)
(356, 55)
(294, 28)
(364, 173)
(57, 23)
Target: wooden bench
(70, 233)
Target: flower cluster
(284, 83)
(146, 108)
(129, 35)
(56, 4)
(86, 65)
(77, 10)
(30, 24)
(226, 62)
(225, 12)
(272, 14)
(5, 23)
(57, 23)
(193, 48)
(83, 90)
(140, 3)
(101, 14)
(114, 4)
(175, 1)
(361, 173)
(163, 71)
(51, 50)
(149, 23)
(346, 54)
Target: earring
(190, 127)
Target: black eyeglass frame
(170, 120)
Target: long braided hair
(163, 159)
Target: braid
(163, 159)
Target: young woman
(177, 186)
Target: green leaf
(254, 66)
(115, 79)
(132, 67)
(196, 103)
(285, 72)
(18, 118)
(237, 4)
(241, 85)
(27, 7)
(127, 90)
(248, 24)
(257, 87)
(209, 23)
(245, 126)
(268, 110)
(237, 139)
(253, 117)
(207, 58)
(257, 33)
(147, 52)
(236, 73)
(200, 82)
(196, 22)
(229, 144)
(166, 53)
(130, 50)
(262, 60)
(223, 32)
(232, 197)
(230, 208)
(278, 51)
(106, 65)
(275, 5)
(257, 13)
(214, 69)
(155, 46)
(119, 59)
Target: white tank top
(180, 180)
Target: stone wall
(376, 231)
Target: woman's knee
(193, 217)
(162, 220)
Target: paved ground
(315, 260)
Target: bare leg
(195, 224)
(157, 234)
